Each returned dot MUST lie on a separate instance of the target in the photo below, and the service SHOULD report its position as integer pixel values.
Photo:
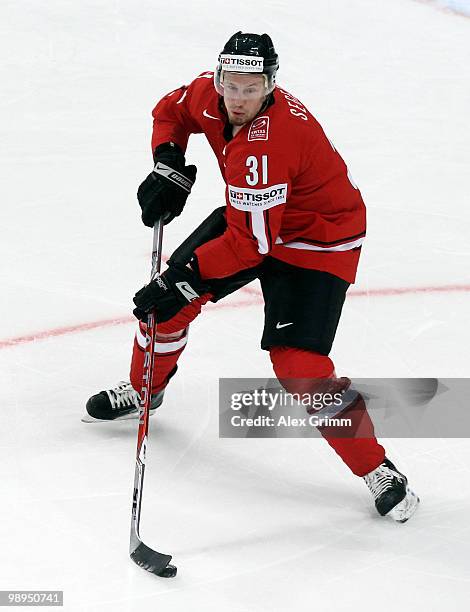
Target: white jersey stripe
(259, 230)
(346, 246)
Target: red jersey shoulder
(292, 107)
(199, 93)
(294, 118)
(203, 82)
(203, 100)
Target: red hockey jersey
(288, 194)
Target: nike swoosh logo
(206, 114)
(281, 325)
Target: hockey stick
(151, 560)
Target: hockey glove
(165, 190)
(169, 293)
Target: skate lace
(123, 395)
(381, 479)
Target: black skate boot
(121, 402)
(393, 497)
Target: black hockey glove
(169, 293)
(165, 190)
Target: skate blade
(87, 418)
(406, 508)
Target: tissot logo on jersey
(244, 198)
(241, 63)
(259, 129)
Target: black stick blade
(153, 561)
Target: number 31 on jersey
(253, 165)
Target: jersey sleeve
(258, 187)
(174, 117)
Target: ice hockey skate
(393, 497)
(118, 404)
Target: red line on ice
(404, 290)
(388, 291)
(80, 327)
(253, 297)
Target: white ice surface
(254, 525)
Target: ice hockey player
(293, 218)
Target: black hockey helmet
(248, 53)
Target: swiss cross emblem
(259, 129)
